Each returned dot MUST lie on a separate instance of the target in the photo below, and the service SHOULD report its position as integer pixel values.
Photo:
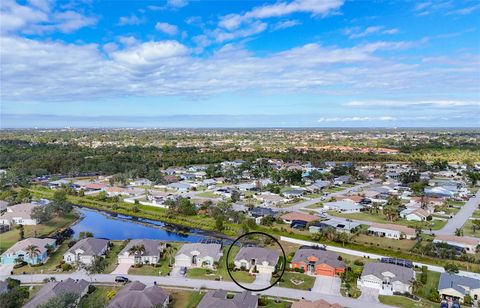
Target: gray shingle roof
(324, 257)
(218, 299)
(91, 246)
(259, 254)
(402, 274)
(455, 282)
(152, 247)
(212, 250)
(136, 294)
(54, 289)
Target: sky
(291, 63)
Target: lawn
(432, 283)
(162, 270)
(383, 242)
(9, 238)
(366, 216)
(476, 214)
(186, 299)
(302, 281)
(111, 257)
(207, 194)
(401, 301)
(98, 298)
(468, 229)
(48, 267)
(315, 206)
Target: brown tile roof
(406, 230)
(459, 239)
(299, 216)
(315, 304)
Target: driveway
(175, 272)
(327, 285)
(461, 217)
(122, 269)
(6, 269)
(263, 279)
(369, 295)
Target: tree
(15, 296)
(60, 204)
(41, 213)
(169, 252)
(21, 231)
(97, 266)
(459, 232)
(391, 213)
(451, 268)
(23, 196)
(475, 224)
(62, 300)
(409, 177)
(32, 252)
(416, 285)
(136, 250)
(85, 234)
(219, 223)
(235, 196)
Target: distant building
(467, 243)
(54, 289)
(293, 193)
(392, 231)
(138, 295)
(320, 303)
(346, 207)
(298, 216)
(218, 298)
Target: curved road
(457, 221)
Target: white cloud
(132, 20)
(355, 119)
(279, 9)
(357, 32)
(166, 28)
(40, 17)
(177, 3)
(413, 103)
(150, 53)
(285, 24)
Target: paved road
(461, 217)
(300, 205)
(210, 284)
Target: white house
(149, 252)
(392, 231)
(346, 207)
(85, 250)
(198, 255)
(468, 243)
(262, 259)
(387, 278)
(19, 214)
(455, 287)
(414, 214)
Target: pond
(121, 227)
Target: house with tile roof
(19, 251)
(85, 251)
(198, 255)
(219, 299)
(290, 217)
(152, 251)
(57, 288)
(138, 295)
(264, 260)
(456, 287)
(319, 262)
(392, 231)
(19, 214)
(387, 278)
(319, 303)
(467, 243)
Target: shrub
(111, 294)
(91, 289)
(358, 263)
(66, 267)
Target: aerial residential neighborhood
(240, 154)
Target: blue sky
(292, 63)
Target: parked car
(121, 279)
(183, 270)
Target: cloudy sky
(291, 63)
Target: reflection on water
(121, 227)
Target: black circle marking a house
(283, 263)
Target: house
(438, 192)
(218, 298)
(387, 278)
(298, 216)
(263, 260)
(18, 251)
(467, 243)
(58, 183)
(198, 255)
(138, 295)
(392, 231)
(270, 199)
(339, 224)
(346, 207)
(293, 193)
(318, 185)
(315, 261)
(150, 254)
(258, 211)
(85, 250)
(19, 214)
(141, 182)
(113, 191)
(180, 186)
(456, 287)
(94, 186)
(320, 303)
(54, 289)
(343, 179)
(414, 214)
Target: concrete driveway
(122, 269)
(369, 295)
(6, 269)
(175, 272)
(327, 285)
(263, 279)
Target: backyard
(98, 298)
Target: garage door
(325, 272)
(123, 260)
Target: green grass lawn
(401, 301)
(207, 194)
(9, 238)
(183, 298)
(468, 229)
(111, 257)
(148, 270)
(383, 242)
(98, 298)
(366, 216)
(306, 281)
(432, 283)
(315, 206)
(476, 214)
(48, 267)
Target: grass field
(98, 298)
(183, 298)
(207, 194)
(307, 282)
(403, 302)
(432, 283)
(386, 243)
(111, 256)
(9, 238)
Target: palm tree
(390, 213)
(136, 250)
(169, 252)
(32, 252)
(416, 285)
